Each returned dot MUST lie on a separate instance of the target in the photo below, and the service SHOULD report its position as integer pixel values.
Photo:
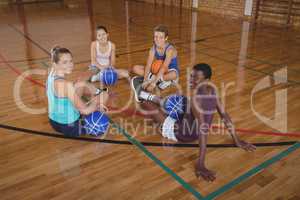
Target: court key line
(186, 185)
(133, 111)
(140, 147)
(36, 82)
(158, 162)
(252, 172)
(125, 142)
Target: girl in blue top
(65, 105)
(162, 50)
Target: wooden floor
(241, 54)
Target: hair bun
(53, 51)
(55, 48)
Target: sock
(98, 91)
(146, 96)
(161, 79)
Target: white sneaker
(146, 96)
(136, 85)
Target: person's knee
(138, 69)
(172, 75)
(122, 73)
(135, 69)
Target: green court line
(157, 161)
(187, 186)
(251, 172)
(152, 157)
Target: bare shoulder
(211, 89)
(151, 50)
(112, 45)
(93, 44)
(171, 50)
(63, 84)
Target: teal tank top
(60, 109)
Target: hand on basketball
(102, 108)
(246, 146)
(206, 174)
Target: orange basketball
(155, 67)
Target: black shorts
(74, 129)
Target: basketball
(156, 65)
(108, 76)
(96, 123)
(175, 106)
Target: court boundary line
(124, 142)
(181, 42)
(178, 178)
(249, 67)
(187, 186)
(32, 60)
(252, 29)
(244, 131)
(157, 161)
(181, 181)
(259, 61)
(29, 38)
(252, 172)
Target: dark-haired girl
(103, 55)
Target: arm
(203, 128)
(147, 83)
(113, 55)
(169, 55)
(82, 107)
(230, 127)
(93, 53)
(149, 63)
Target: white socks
(98, 91)
(146, 96)
(168, 129)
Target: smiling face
(65, 64)
(102, 36)
(160, 39)
(196, 78)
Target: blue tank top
(60, 109)
(173, 64)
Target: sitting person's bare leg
(153, 111)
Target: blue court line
(251, 172)
(157, 161)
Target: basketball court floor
(256, 68)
